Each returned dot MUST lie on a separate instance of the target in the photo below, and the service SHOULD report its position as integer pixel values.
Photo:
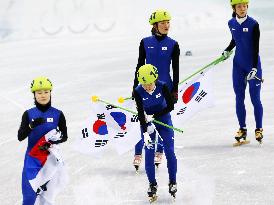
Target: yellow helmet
(159, 15)
(147, 74)
(234, 2)
(40, 83)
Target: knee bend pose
(154, 101)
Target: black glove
(36, 122)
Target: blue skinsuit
(52, 117)
(153, 104)
(242, 65)
(159, 54)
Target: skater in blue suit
(154, 101)
(246, 67)
(160, 51)
(36, 122)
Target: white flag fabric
(193, 96)
(108, 126)
(95, 133)
(126, 127)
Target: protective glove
(149, 118)
(251, 75)
(147, 139)
(150, 129)
(54, 136)
(36, 122)
(226, 54)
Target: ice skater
(36, 123)
(154, 101)
(160, 51)
(246, 67)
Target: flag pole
(213, 63)
(97, 99)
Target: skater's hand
(36, 122)
(149, 118)
(150, 129)
(147, 139)
(251, 75)
(226, 54)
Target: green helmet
(159, 15)
(40, 83)
(234, 2)
(147, 74)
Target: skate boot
(259, 135)
(151, 192)
(241, 137)
(137, 161)
(158, 159)
(172, 189)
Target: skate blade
(260, 143)
(236, 144)
(152, 199)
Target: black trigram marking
(85, 132)
(181, 111)
(200, 96)
(134, 118)
(120, 135)
(109, 107)
(101, 116)
(100, 143)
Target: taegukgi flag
(193, 96)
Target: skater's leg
(29, 196)
(160, 148)
(149, 161)
(254, 91)
(138, 154)
(139, 147)
(239, 86)
(168, 144)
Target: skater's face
(163, 27)
(149, 87)
(241, 9)
(42, 96)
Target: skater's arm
(141, 61)
(175, 67)
(231, 45)
(140, 110)
(24, 129)
(169, 101)
(256, 40)
(63, 128)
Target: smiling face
(163, 27)
(241, 9)
(42, 96)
